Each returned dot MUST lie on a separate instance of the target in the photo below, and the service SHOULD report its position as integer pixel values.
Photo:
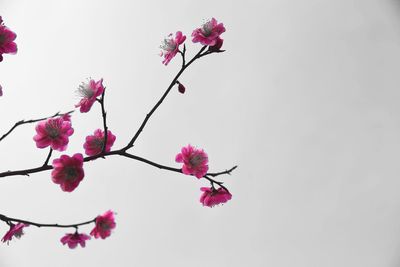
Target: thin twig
(48, 157)
(132, 141)
(104, 115)
(8, 220)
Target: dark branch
(122, 153)
(104, 115)
(48, 157)
(132, 141)
(8, 220)
(215, 174)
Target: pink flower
(94, 143)
(194, 161)
(170, 46)
(104, 224)
(7, 37)
(16, 230)
(209, 33)
(68, 171)
(212, 197)
(54, 133)
(74, 239)
(66, 117)
(89, 92)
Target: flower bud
(217, 46)
(181, 88)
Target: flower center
(70, 173)
(207, 28)
(196, 160)
(52, 129)
(98, 142)
(104, 226)
(18, 233)
(85, 91)
(168, 45)
(2, 39)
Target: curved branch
(56, 225)
(48, 157)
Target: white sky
(305, 101)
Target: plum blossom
(53, 132)
(170, 46)
(72, 240)
(89, 92)
(94, 143)
(7, 37)
(208, 33)
(104, 224)
(16, 230)
(212, 197)
(194, 161)
(68, 171)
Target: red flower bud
(217, 46)
(181, 88)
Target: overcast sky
(305, 100)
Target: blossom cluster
(68, 170)
(104, 224)
(208, 34)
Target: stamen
(207, 28)
(98, 142)
(53, 128)
(70, 173)
(2, 39)
(85, 91)
(168, 44)
(196, 160)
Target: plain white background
(305, 101)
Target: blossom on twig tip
(104, 224)
(16, 230)
(72, 240)
(208, 33)
(170, 46)
(89, 92)
(212, 197)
